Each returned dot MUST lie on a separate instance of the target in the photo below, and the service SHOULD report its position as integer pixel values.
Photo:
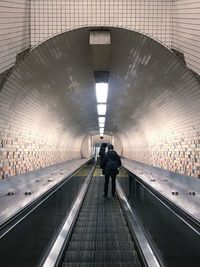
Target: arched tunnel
(152, 106)
(53, 212)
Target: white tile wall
(14, 30)
(175, 23)
(179, 29)
(186, 31)
(51, 17)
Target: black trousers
(107, 178)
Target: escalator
(101, 236)
(104, 231)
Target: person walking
(102, 152)
(110, 165)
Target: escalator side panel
(28, 241)
(175, 242)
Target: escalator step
(100, 220)
(100, 256)
(99, 223)
(87, 208)
(106, 246)
(101, 215)
(108, 219)
(104, 230)
(99, 237)
(105, 264)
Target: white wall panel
(51, 17)
(186, 31)
(14, 30)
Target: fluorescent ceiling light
(101, 92)
(101, 125)
(102, 119)
(101, 130)
(101, 109)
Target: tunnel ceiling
(56, 80)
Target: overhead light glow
(101, 92)
(101, 109)
(101, 130)
(101, 135)
(102, 119)
(101, 125)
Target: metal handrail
(17, 217)
(54, 255)
(145, 249)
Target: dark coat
(105, 166)
(102, 152)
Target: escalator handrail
(148, 256)
(54, 255)
(16, 218)
(182, 214)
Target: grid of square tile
(186, 31)
(175, 151)
(162, 106)
(22, 153)
(174, 141)
(50, 17)
(175, 23)
(14, 30)
(25, 144)
(179, 154)
(33, 132)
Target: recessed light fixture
(101, 92)
(101, 96)
(101, 109)
(102, 119)
(101, 125)
(101, 130)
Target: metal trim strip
(54, 253)
(147, 253)
(38, 200)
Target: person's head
(110, 147)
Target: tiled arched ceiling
(54, 84)
(146, 77)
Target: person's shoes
(104, 195)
